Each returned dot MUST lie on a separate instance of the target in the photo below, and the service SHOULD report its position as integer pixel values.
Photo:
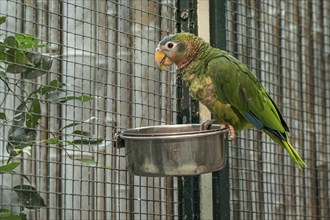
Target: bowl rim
(133, 134)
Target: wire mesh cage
(286, 43)
(75, 72)
(100, 80)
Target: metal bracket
(119, 142)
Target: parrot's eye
(170, 45)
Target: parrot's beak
(161, 59)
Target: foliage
(17, 57)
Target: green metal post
(220, 179)
(189, 207)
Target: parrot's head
(180, 49)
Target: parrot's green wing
(236, 85)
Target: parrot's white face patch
(161, 59)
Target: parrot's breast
(201, 88)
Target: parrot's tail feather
(289, 148)
(294, 154)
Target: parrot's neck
(196, 52)
(182, 64)
(199, 82)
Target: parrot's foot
(207, 124)
(231, 131)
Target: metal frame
(189, 207)
(220, 179)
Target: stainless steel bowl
(173, 150)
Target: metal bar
(189, 207)
(221, 184)
(205, 180)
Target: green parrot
(226, 87)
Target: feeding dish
(173, 150)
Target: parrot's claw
(231, 132)
(207, 124)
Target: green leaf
(29, 197)
(7, 215)
(83, 98)
(20, 138)
(91, 141)
(15, 68)
(27, 150)
(52, 141)
(70, 125)
(9, 167)
(55, 96)
(42, 90)
(3, 54)
(2, 20)
(51, 87)
(62, 96)
(82, 133)
(56, 83)
(28, 41)
(11, 41)
(70, 143)
(86, 160)
(41, 65)
(34, 114)
(3, 116)
(17, 60)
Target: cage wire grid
(104, 49)
(286, 43)
(101, 50)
